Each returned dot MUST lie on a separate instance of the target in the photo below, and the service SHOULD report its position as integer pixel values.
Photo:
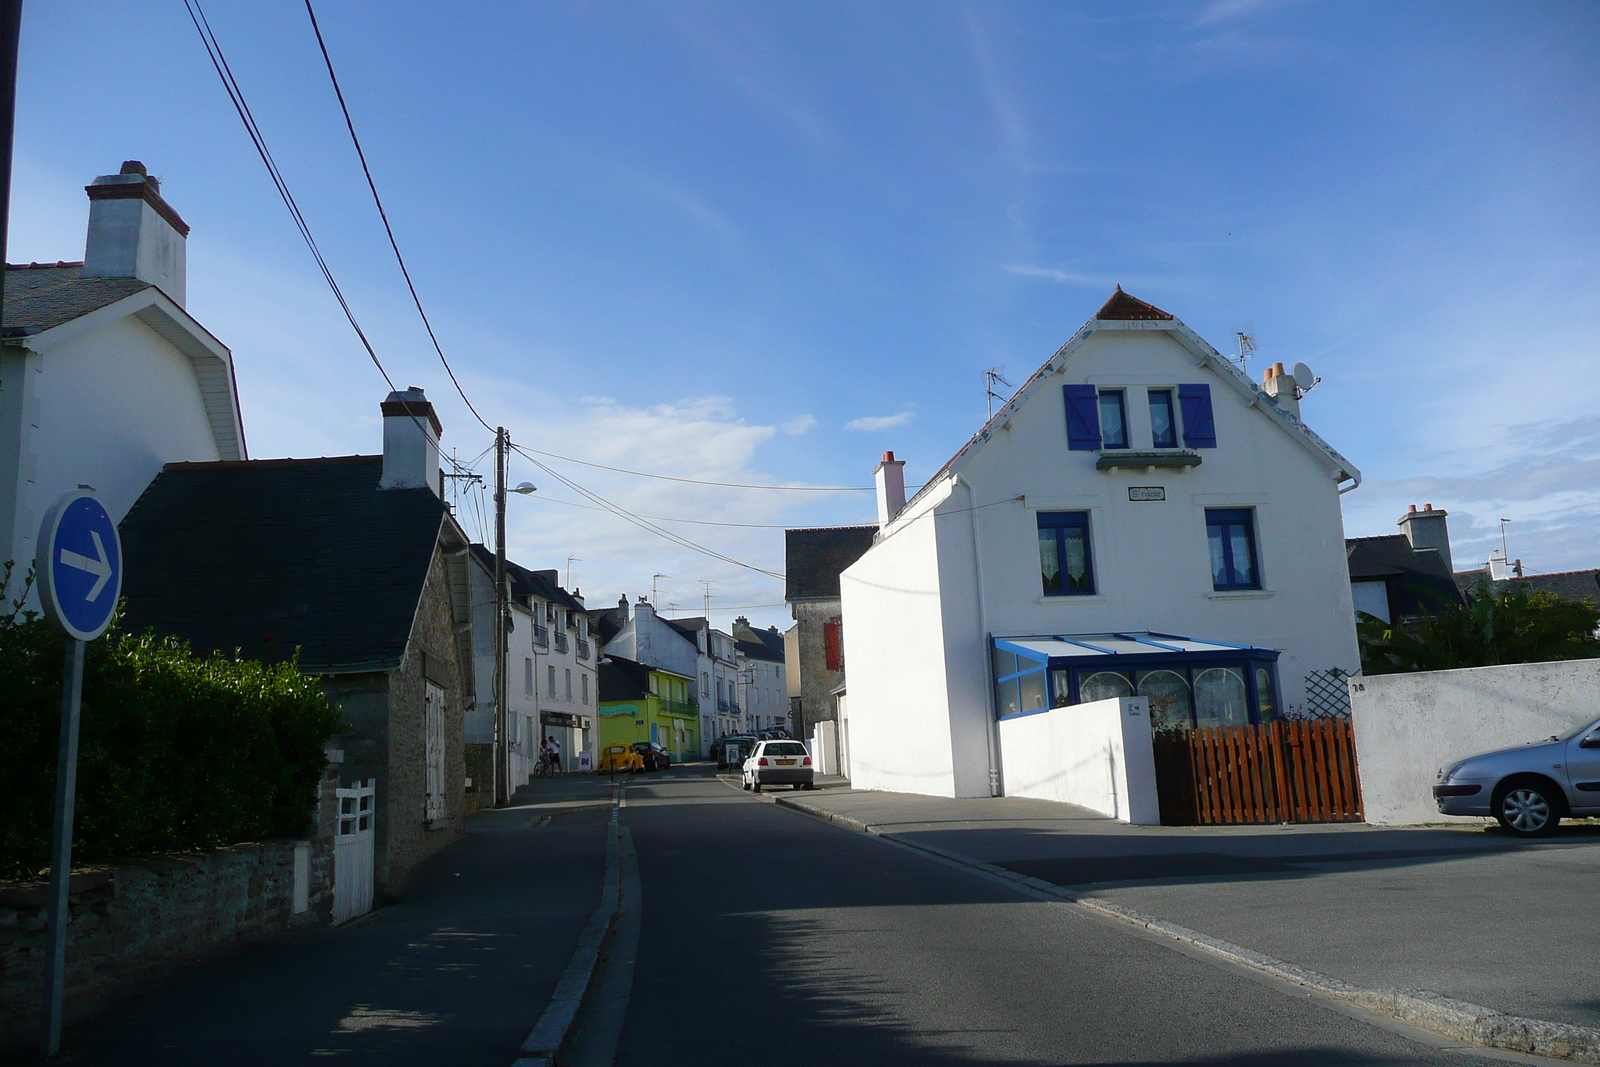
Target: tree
(1513, 626)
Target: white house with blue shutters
(1139, 524)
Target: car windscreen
(1581, 728)
(784, 748)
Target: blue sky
(763, 243)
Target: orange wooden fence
(1277, 772)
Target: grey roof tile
(40, 296)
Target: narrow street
(755, 934)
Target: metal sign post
(79, 567)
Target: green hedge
(177, 751)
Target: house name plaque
(1147, 492)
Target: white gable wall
(1151, 560)
(894, 654)
(106, 408)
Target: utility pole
(502, 746)
(10, 35)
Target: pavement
(455, 972)
(1461, 910)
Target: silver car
(1528, 788)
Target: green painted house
(639, 702)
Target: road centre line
(1471, 1025)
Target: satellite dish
(1303, 377)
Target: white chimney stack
(891, 479)
(133, 233)
(1281, 387)
(410, 442)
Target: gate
(1284, 771)
(353, 852)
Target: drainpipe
(992, 742)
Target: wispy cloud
(880, 422)
(1065, 277)
(797, 426)
(1223, 10)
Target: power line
(384, 215)
(707, 522)
(699, 481)
(642, 523)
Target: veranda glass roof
(1083, 648)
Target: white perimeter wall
(895, 662)
(1408, 726)
(1097, 756)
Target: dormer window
(1113, 420)
(1163, 424)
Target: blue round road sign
(79, 566)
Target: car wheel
(745, 783)
(811, 785)
(1527, 810)
(756, 785)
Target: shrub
(176, 750)
(1513, 626)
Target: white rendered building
(1138, 521)
(104, 377)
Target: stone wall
(406, 837)
(816, 681)
(143, 915)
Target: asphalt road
(769, 937)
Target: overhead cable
(384, 215)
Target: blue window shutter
(1199, 429)
(1083, 417)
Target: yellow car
(614, 758)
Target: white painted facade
(108, 397)
(551, 666)
(961, 564)
(1408, 726)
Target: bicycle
(545, 768)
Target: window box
(1141, 460)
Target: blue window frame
(1066, 565)
(1232, 536)
(1113, 420)
(1163, 425)
(1020, 683)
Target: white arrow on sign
(100, 568)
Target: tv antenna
(655, 590)
(992, 377)
(705, 588)
(1244, 334)
(570, 561)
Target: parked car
(1530, 788)
(654, 756)
(779, 763)
(614, 758)
(719, 748)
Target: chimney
(891, 478)
(1281, 388)
(1502, 569)
(622, 606)
(1427, 529)
(133, 233)
(550, 576)
(410, 442)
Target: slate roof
(265, 556)
(758, 650)
(1411, 576)
(814, 558)
(622, 679)
(526, 583)
(39, 296)
(1568, 585)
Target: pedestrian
(552, 751)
